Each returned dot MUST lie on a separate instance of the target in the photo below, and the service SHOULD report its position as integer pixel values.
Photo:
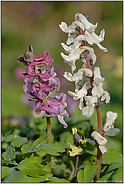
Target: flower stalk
(99, 154)
(49, 140)
(99, 118)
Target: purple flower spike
(43, 85)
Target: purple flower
(43, 85)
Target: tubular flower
(90, 102)
(111, 116)
(100, 140)
(43, 85)
(97, 83)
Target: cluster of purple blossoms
(43, 85)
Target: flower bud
(28, 56)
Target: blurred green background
(36, 23)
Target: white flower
(109, 120)
(71, 38)
(65, 28)
(106, 96)
(87, 25)
(72, 27)
(97, 83)
(75, 52)
(81, 93)
(93, 38)
(72, 57)
(100, 140)
(90, 102)
(90, 35)
(103, 149)
(79, 75)
(76, 77)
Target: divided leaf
(5, 171)
(57, 180)
(9, 155)
(31, 167)
(112, 156)
(89, 173)
(16, 176)
(19, 141)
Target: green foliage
(57, 180)
(16, 177)
(9, 155)
(87, 175)
(17, 142)
(32, 167)
(112, 156)
(5, 171)
(26, 150)
(113, 161)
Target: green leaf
(52, 148)
(9, 155)
(16, 132)
(89, 173)
(113, 166)
(30, 167)
(105, 178)
(52, 152)
(112, 156)
(57, 180)
(5, 171)
(41, 153)
(70, 139)
(36, 144)
(63, 136)
(16, 177)
(5, 145)
(19, 141)
(38, 179)
(25, 148)
(118, 175)
(58, 166)
(80, 176)
(11, 137)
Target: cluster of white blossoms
(88, 80)
(79, 47)
(111, 116)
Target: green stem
(49, 137)
(49, 140)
